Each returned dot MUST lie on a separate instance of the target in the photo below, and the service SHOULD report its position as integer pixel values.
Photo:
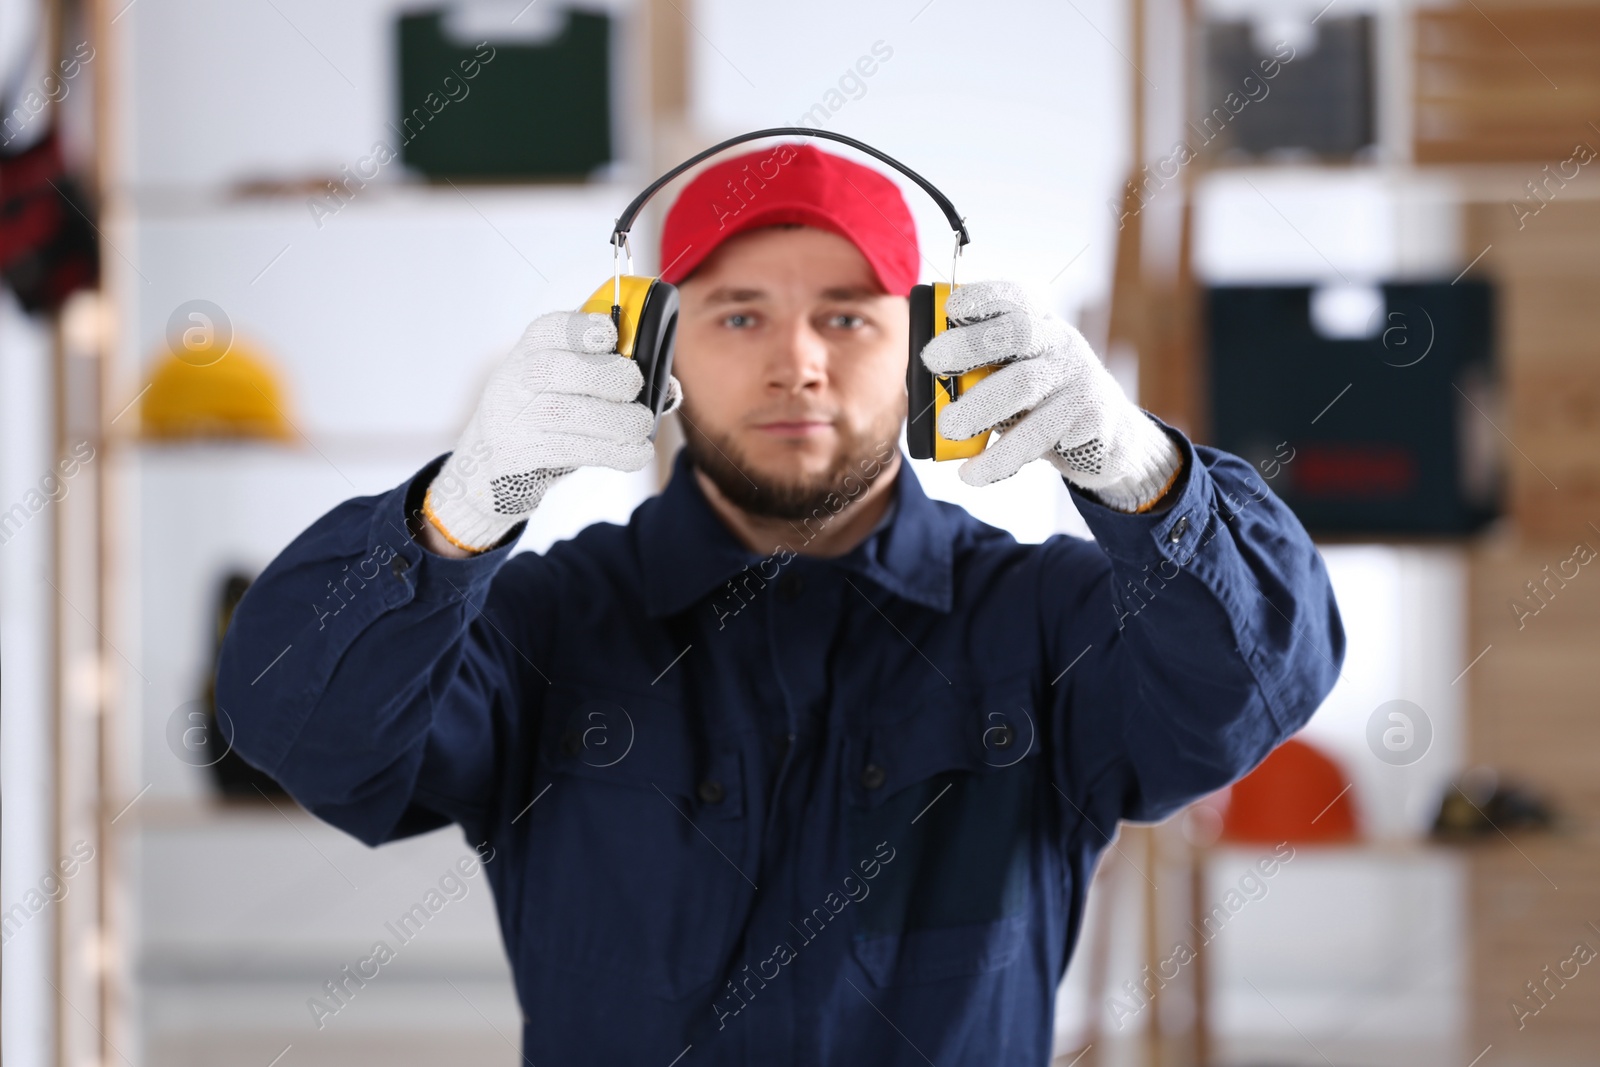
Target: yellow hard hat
(234, 393)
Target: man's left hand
(1050, 399)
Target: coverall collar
(687, 551)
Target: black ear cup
(921, 428)
(653, 344)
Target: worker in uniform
(799, 766)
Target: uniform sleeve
(383, 686)
(1192, 641)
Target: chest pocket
(949, 787)
(635, 847)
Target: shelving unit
(1295, 221)
(382, 320)
(374, 277)
(1472, 116)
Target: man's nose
(799, 358)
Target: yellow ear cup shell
(634, 289)
(945, 385)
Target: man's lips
(795, 427)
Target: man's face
(792, 360)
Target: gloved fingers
(1012, 389)
(584, 416)
(1030, 438)
(605, 375)
(572, 450)
(570, 331)
(1010, 336)
(976, 301)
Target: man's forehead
(747, 293)
(756, 264)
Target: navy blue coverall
(785, 810)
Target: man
(799, 766)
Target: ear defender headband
(645, 311)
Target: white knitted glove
(562, 399)
(1051, 399)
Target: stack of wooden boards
(1533, 697)
(1518, 87)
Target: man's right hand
(562, 399)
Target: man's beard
(863, 455)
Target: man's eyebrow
(727, 294)
(851, 292)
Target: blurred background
(259, 257)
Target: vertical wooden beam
(671, 139)
(87, 357)
(1198, 857)
(669, 61)
(52, 14)
(1155, 303)
(1155, 1053)
(1127, 311)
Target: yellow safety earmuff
(928, 393)
(645, 311)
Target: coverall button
(399, 565)
(1176, 533)
(710, 791)
(873, 776)
(1003, 736)
(790, 587)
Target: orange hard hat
(1297, 794)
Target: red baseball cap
(792, 183)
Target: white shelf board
(1307, 224)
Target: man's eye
(847, 322)
(739, 321)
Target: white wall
(27, 754)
